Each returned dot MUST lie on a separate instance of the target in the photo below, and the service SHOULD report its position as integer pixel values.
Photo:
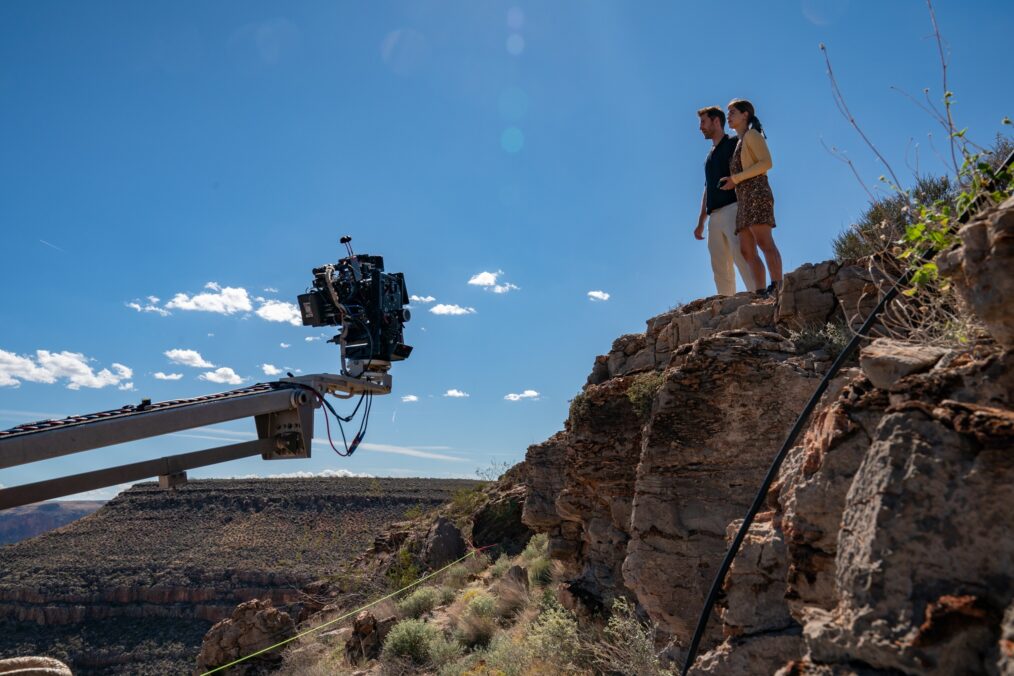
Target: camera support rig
(355, 293)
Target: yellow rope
(343, 617)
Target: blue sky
(208, 155)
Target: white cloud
(421, 299)
(527, 394)
(411, 452)
(167, 376)
(488, 280)
(284, 345)
(597, 296)
(188, 358)
(302, 474)
(223, 375)
(280, 311)
(443, 309)
(270, 369)
(48, 367)
(270, 289)
(153, 299)
(409, 398)
(455, 394)
(149, 307)
(485, 278)
(310, 339)
(222, 300)
(126, 387)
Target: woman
(755, 217)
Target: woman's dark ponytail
(744, 106)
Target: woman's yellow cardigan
(755, 156)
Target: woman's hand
(726, 183)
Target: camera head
(368, 305)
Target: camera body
(367, 303)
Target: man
(719, 206)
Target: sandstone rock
(367, 638)
(444, 544)
(754, 600)
(886, 361)
(761, 654)
(33, 666)
(254, 625)
(981, 270)
(545, 463)
(717, 422)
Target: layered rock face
(886, 544)
(163, 565)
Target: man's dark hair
(713, 112)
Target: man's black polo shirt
(716, 167)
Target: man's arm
(699, 230)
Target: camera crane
(354, 294)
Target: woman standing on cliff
(755, 218)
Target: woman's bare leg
(762, 235)
(748, 247)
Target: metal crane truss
(282, 411)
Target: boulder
(886, 361)
(368, 635)
(254, 625)
(443, 544)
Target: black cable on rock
(790, 440)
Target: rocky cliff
(887, 544)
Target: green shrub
(540, 572)
(403, 570)
(447, 595)
(414, 512)
(537, 547)
(477, 621)
(883, 221)
(501, 566)
(627, 645)
(419, 602)
(456, 576)
(579, 406)
(410, 639)
(443, 651)
(554, 638)
(642, 390)
(832, 337)
(465, 501)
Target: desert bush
(403, 570)
(477, 563)
(832, 337)
(627, 646)
(414, 512)
(443, 651)
(884, 220)
(447, 595)
(411, 640)
(419, 602)
(540, 572)
(465, 501)
(579, 406)
(642, 390)
(456, 576)
(512, 597)
(474, 617)
(503, 563)
(554, 638)
(537, 547)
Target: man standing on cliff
(719, 206)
